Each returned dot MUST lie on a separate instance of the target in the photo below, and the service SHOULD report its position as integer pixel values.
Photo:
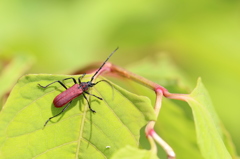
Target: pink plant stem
(165, 146)
(149, 130)
(160, 91)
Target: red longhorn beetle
(76, 90)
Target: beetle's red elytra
(68, 95)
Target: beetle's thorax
(86, 85)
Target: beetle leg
(58, 113)
(108, 84)
(94, 95)
(74, 80)
(52, 83)
(88, 103)
(79, 78)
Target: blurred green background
(202, 38)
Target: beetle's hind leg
(58, 113)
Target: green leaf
(77, 133)
(208, 126)
(176, 126)
(13, 71)
(129, 152)
(175, 123)
(175, 116)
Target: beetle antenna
(103, 64)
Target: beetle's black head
(90, 84)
